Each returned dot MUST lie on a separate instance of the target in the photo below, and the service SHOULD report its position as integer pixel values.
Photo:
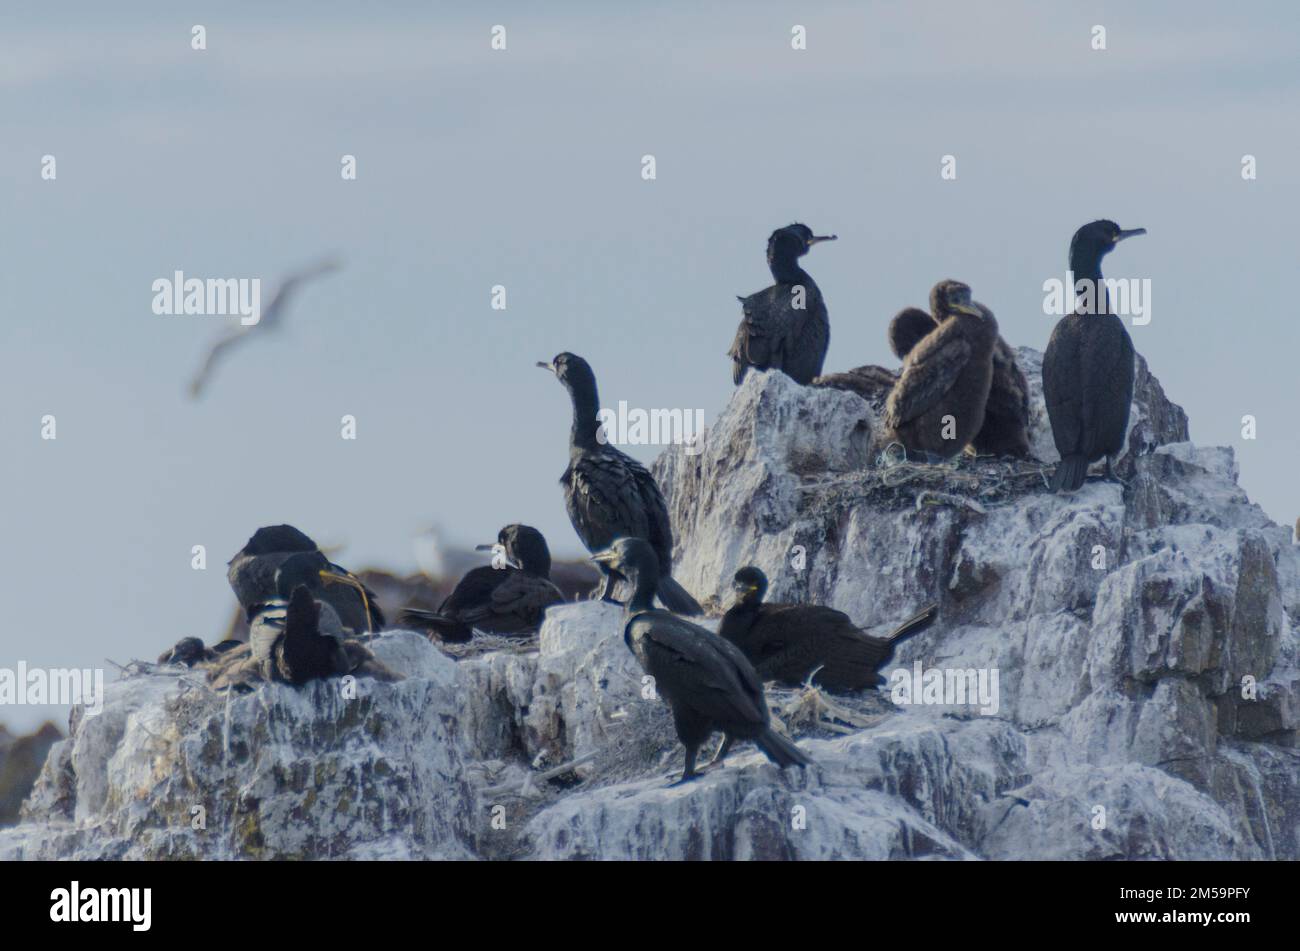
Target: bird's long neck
(582, 435)
(536, 563)
(786, 270)
(1086, 266)
(643, 597)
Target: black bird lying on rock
(190, 651)
(706, 680)
(508, 600)
(1088, 367)
(937, 406)
(607, 493)
(252, 576)
(785, 326)
(788, 642)
(297, 636)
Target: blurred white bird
(272, 316)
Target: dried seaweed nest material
(811, 710)
(482, 643)
(973, 482)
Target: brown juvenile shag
(938, 404)
(1006, 414)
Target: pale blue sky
(523, 168)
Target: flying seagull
(272, 316)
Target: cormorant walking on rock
(785, 327)
(1006, 414)
(507, 600)
(1088, 367)
(937, 406)
(787, 642)
(607, 493)
(253, 570)
(705, 679)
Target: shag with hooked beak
(252, 576)
(706, 680)
(511, 599)
(607, 493)
(789, 642)
(1088, 367)
(937, 406)
(785, 326)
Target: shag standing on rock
(706, 680)
(607, 493)
(788, 642)
(1088, 367)
(252, 576)
(785, 327)
(508, 600)
(1006, 414)
(937, 406)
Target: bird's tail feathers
(676, 598)
(781, 750)
(914, 625)
(1070, 473)
(447, 629)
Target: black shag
(785, 326)
(297, 636)
(1006, 414)
(788, 642)
(1088, 367)
(508, 600)
(607, 493)
(252, 576)
(705, 679)
(937, 406)
(190, 651)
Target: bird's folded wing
(930, 372)
(704, 671)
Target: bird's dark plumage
(788, 642)
(705, 679)
(190, 651)
(1088, 367)
(872, 383)
(252, 575)
(508, 600)
(607, 493)
(938, 404)
(785, 326)
(1006, 414)
(297, 636)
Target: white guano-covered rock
(1147, 663)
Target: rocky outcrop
(1146, 663)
